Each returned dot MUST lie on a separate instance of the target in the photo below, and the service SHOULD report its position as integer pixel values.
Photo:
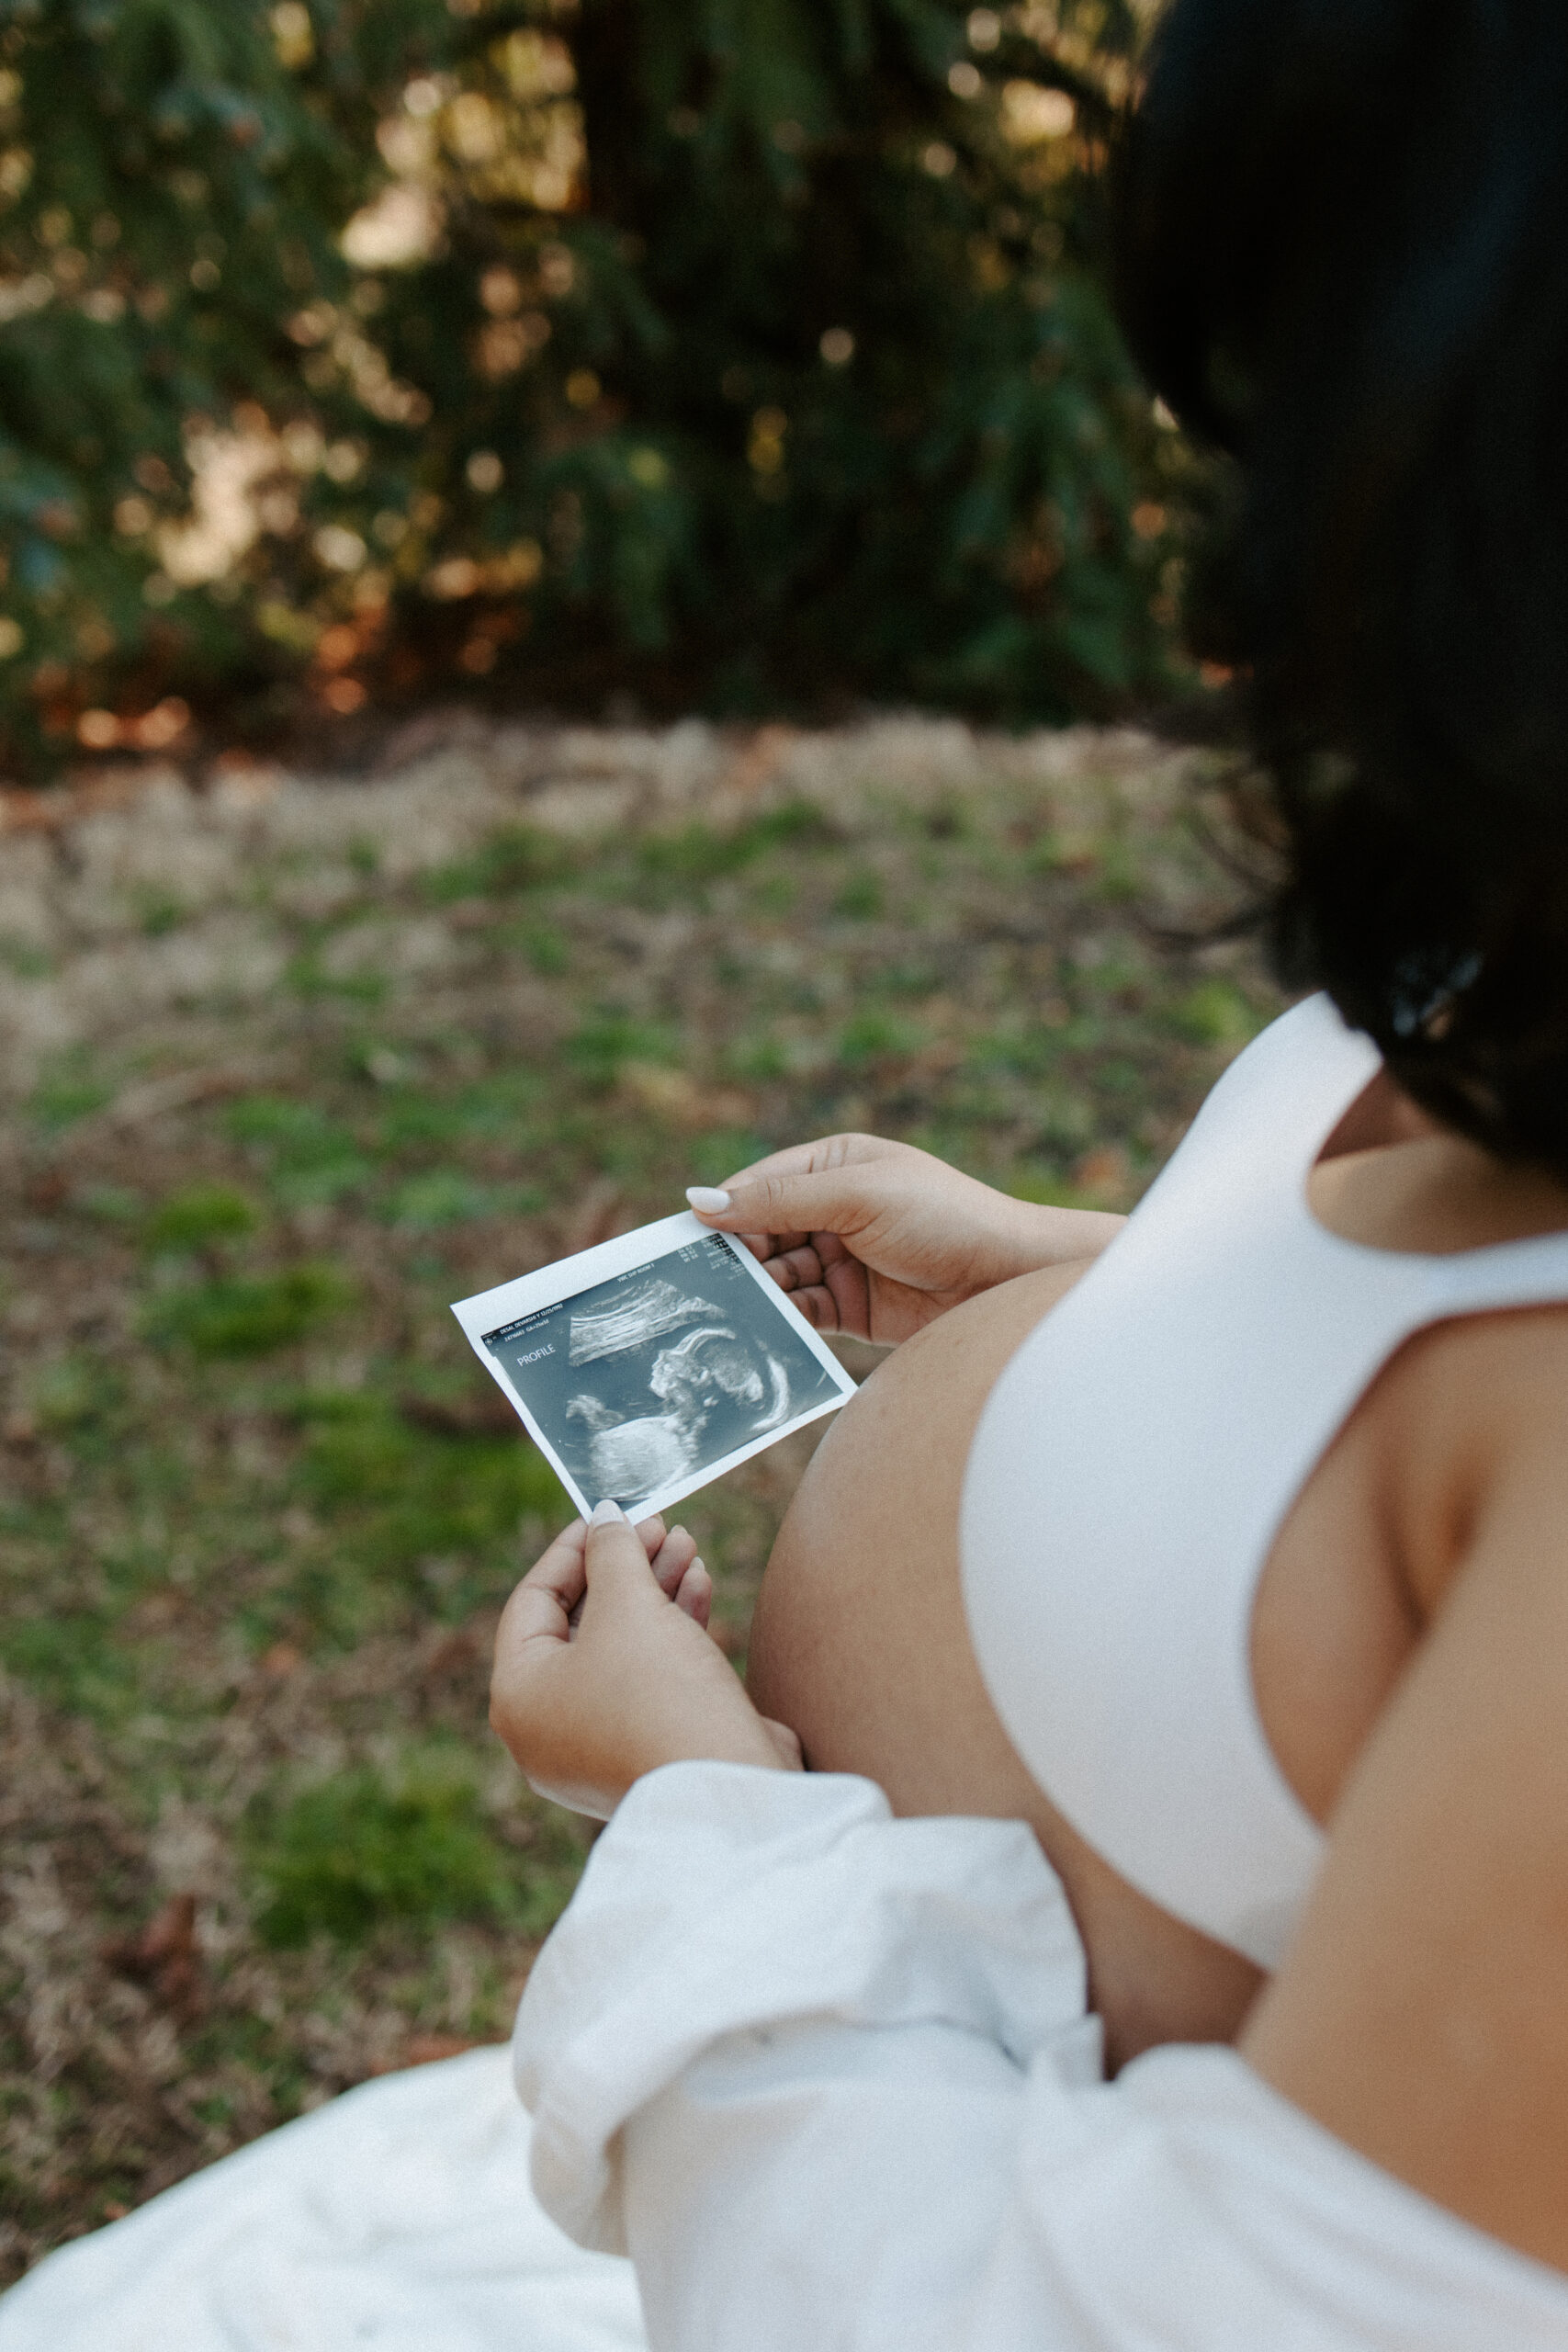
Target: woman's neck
(1380, 1115)
(1392, 1176)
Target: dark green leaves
(755, 354)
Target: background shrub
(741, 354)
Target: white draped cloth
(395, 2218)
(829, 2080)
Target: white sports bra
(1140, 1454)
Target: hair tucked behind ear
(1343, 259)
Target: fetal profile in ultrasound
(642, 1382)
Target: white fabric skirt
(398, 2217)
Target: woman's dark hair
(1343, 260)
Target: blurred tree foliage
(745, 352)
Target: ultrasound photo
(648, 1381)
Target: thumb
(827, 1200)
(615, 1562)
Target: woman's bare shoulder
(1419, 2016)
(1472, 1410)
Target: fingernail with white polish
(606, 1513)
(708, 1197)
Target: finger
(849, 1286)
(651, 1533)
(799, 1273)
(798, 1159)
(795, 1269)
(559, 1567)
(827, 1283)
(815, 1300)
(615, 1562)
(800, 1257)
(819, 1305)
(673, 1559)
(542, 1605)
(787, 1743)
(771, 1245)
(785, 1204)
(693, 1595)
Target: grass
(258, 1513)
(351, 1853)
(515, 861)
(246, 1315)
(199, 1215)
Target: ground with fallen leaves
(287, 1064)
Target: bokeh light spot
(338, 548)
(501, 291)
(460, 576)
(1032, 114)
(293, 34)
(336, 647)
(162, 725)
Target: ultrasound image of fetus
(644, 1381)
(692, 1380)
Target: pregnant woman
(1231, 1557)
(1167, 1944)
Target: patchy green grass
(68, 1092)
(246, 1315)
(412, 1847)
(259, 1508)
(614, 1036)
(307, 1158)
(401, 1499)
(200, 1215)
(519, 859)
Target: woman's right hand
(874, 1239)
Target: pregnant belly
(859, 1643)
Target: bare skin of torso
(860, 1641)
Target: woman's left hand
(604, 1669)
